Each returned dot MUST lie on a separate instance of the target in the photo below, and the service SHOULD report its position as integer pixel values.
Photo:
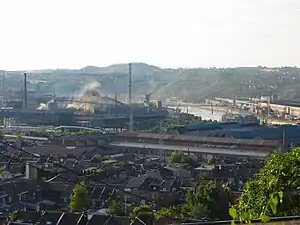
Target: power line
(40, 157)
(74, 182)
(74, 172)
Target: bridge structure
(162, 145)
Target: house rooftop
(136, 181)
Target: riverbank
(216, 112)
(203, 112)
(222, 109)
(271, 121)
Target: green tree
(169, 125)
(2, 171)
(117, 208)
(182, 212)
(144, 213)
(211, 161)
(79, 197)
(207, 200)
(176, 157)
(98, 156)
(275, 191)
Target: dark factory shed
(206, 127)
(286, 134)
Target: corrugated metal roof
(292, 133)
(201, 149)
(187, 138)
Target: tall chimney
(25, 92)
(130, 98)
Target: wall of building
(292, 110)
(31, 173)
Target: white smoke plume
(42, 106)
(89, 94)
(93, 86)
(152, 86)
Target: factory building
(162, 145)
(240, 118)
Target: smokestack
(130, 99)
(25, 92)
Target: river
(204, 113)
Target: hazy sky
(39, 34)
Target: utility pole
(130, 99)
(115, 104)
(234, 103)
(283, 140)
(268, 108)
(125, 205)
(268, 111)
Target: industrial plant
(89, 107)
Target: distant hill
(184, 84)
(91, 69)
(137, 69)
